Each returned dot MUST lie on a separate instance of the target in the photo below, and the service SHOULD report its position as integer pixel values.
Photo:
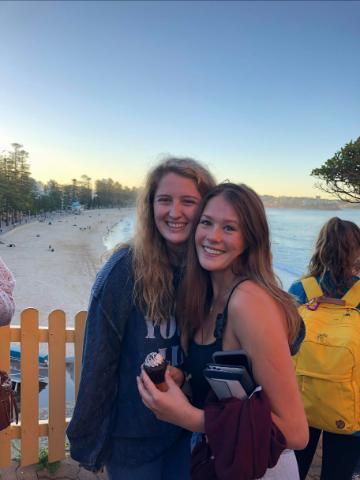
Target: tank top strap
(221, 318)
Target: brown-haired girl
(336, 267)
(132, 314)
(229, 272)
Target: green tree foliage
(340, 175)
(49, 197)
(16, 186)
(112, 194)
(85, 191)
(20, 194)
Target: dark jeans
(174, 464)
(340, 455)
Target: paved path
(70, 470)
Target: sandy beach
(55, 262)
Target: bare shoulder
(249, 294)
(253, 312)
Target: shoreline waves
(55, 262)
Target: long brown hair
(336, 252)
(255, 263)
(154, 291)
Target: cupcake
(155, 366)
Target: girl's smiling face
(219, 239)
(176, 202)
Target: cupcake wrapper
(157, 374)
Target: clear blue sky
(262, 92)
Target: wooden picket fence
(30, 428)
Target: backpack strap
(352, 296)
(311, 287)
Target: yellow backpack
(328, 362)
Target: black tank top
(200, 355)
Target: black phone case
(233, 357)
(230, 374)
(238, 374)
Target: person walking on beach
(131, 314)
(230, 299)
(326, 358)
(7, 284)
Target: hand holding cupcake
(155, 366)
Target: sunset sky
(261, 92)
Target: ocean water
(293, 236)
(120, 232)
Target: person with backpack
(328, 363)
(131, 314)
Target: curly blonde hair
(153, 274)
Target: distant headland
(308, 203)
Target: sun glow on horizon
(63, 166)
(263, 101)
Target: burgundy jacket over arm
(242, 437)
